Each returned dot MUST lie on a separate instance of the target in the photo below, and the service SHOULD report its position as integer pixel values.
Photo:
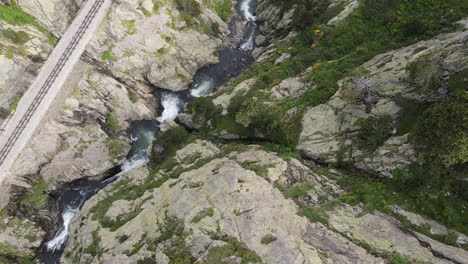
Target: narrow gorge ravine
(233, 59)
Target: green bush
(272, 120)
(203, 109)
(113, 123)
(441, 133)
(18, 37)
(374, 131)
(170, 141)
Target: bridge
(36, 101)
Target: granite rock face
(329, 130)
(219, 196)
(139, 42)
(54, 15)
(224, 196)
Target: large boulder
(139, 43)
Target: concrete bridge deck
(36, 101)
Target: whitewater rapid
(245, 8)
(61, 237)
(171, 106)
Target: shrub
(17, 37)
(113, 123)
(170, 141)
(427, 73)
(441, 133)
(203, 109)
(272, 120)
(374, 131)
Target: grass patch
(36, 197)
(430, 201)
(113, 123)
(209, 212)
(130, 26)
(108, 55)
(220, 254)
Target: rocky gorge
(312, 155)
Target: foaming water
(249, 44)
(172, 106)
(61, 237)
(202, 88)
(245, 8)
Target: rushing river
(142, 133)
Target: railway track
(13, 138)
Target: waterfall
(172, 106)
(245, 8)
(61, 237)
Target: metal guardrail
(49, 81)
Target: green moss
(130, 26)
(410, 112)
(297, 190)
(170, 141)
(108, 55)
(157, 4)
(123, 238)
(209, 212)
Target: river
(232, 60)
